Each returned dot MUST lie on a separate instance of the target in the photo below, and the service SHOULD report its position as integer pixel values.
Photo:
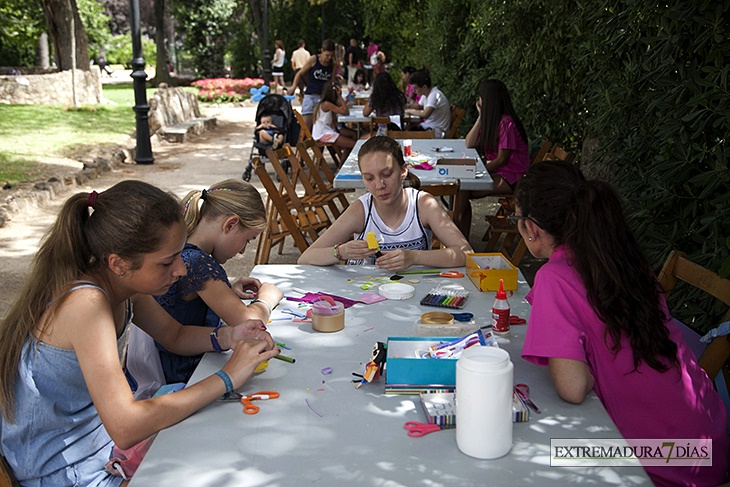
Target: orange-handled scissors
(417, 429)
(451, 274)
(249, 407)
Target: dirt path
(211, 157)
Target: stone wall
(53, 89)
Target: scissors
(516, 320)
(417, 429)
(249, 407)
(451, 274)
(462, 316)
(523, 390)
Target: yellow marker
(372, 241)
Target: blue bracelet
(214, 338)
(226, 380)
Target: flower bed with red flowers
(226, 90)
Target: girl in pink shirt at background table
(500, 137)
(599, 321)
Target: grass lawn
(33, 134)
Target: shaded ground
(206, 159)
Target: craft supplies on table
(486, 269)
(408, 371)
(396, 291)
(457, 168)
(446, 298)
(328, 315)
(440, 408)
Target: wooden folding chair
(375, 123)
(287, 217)
(411, 134)
(7, 479)
(715, 358)
(457, 115)
(305, 134)
(320, 173)
(557, 153)
(448, 195)
(512, 245)
(291, 181)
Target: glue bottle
(500, 312)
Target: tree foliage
(96, 22)
(640, 87)
(205, 25)
(21, 22)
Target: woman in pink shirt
(500, 137)
(599, 321)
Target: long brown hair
(496, 103)
(129, 219)
(392, 147)
(226, 198)
(587, 218)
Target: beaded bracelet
(226, 380)
(338, 255)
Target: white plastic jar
(484, 384)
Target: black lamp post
(266, 53)
(143, 154)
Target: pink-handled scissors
(417, 429)
(523, 390)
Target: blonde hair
(129, 219)
(226, 198)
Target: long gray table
(355, 436)
(349, 176)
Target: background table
(348, 176)
(356, 436)
(356, 117)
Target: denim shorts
(308, 103)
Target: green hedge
(637, 88)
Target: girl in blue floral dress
(220, 221)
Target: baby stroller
(279, 108)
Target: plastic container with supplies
(500, 312)
(328, 317)
(486, 269)
(484, 383)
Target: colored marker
(285, 358)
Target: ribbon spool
(437, 318)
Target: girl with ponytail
(599, 321)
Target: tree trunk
(58, 14)
(162, 21)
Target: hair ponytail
(587, 218)
(129, 219)
(226, 198)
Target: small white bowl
(396, 291)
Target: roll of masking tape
(437, 318)
(396, 291)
